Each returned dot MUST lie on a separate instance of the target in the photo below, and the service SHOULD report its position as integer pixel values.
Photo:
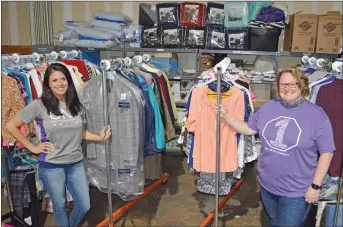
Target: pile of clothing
(266, 15)
(105, 31)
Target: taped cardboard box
(301, 32)
(329, 33)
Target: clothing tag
(122, 96)
(110, 76)
(124, 170)
(61, 38)
(124, 104)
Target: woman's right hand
(222, 110)
(45, 147)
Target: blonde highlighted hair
(299, 76)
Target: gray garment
(65, 132)
(125, 118)
(126, 145)
(153, 166)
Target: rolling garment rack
(219, 70)
(106, 65)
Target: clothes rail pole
(338, 203)
(219, 78)
(106, 65)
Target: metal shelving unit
(300, 54)
(198, 52)
(242, 52)
(167, 50)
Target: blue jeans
(284, 211)
(72, 176)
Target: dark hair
(51, 102)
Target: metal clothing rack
(105, 65)
(12, 214)
(338, 203)
(214, 214)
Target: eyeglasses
(292, 85)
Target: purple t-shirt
(291, 140)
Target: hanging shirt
(202, 121)
(125, 118)
(316, 87)
(26, 83)
(290, 141)
(158, 124)
(80, 65)
(11, 104)
(330, 99)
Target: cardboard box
(329, 33)
(300, 33)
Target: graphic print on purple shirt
(290, 142)
(282, 134)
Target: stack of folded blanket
(102, 32)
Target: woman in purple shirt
(293, 131)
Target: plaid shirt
(126, 118)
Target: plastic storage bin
(264, 39)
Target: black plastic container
(264, 39)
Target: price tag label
(160, 50)
(122, 96)
(236, 52)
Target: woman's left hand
(312, 195)
(105, 135)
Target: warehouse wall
(16, 26)
(15, 21)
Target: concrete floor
(178, 203)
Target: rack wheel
(15, 58)
(320, 62)
(127, 61)
(146, 57)
(105, 64)
(75, 53)
(63, 54)
(337, 66)
(313, 61)
(36, 56)
(165, 182)
(305, 59)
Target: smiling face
(289, 87)
(58, 84)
